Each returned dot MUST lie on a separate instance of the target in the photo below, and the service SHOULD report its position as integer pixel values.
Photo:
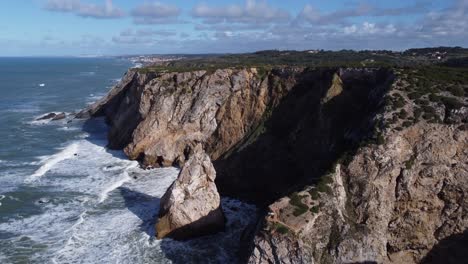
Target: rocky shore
(343, 177)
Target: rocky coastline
(340, 179)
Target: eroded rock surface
(271, 133)
(191, 206)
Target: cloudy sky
(112, 27)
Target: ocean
(65, 197)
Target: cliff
(341, 159)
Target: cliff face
(158, 119)
(312, 144)
(391, 204)
(285, 126)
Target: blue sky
(113, 27)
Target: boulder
(191, 206)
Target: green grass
(314, 209)
(282, 229)
(409, 163)
(323, 184)
(314, 194)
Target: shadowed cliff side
(325, 114)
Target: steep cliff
(341, 158)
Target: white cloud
(108, 10)
(156, 13)
(368, 28)
(313, 15)
(142, 36)
(257, 12)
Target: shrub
(282, 229)
(399, 103)
(314, 209)
(314, 194)
(457, 91)
(434, 97)
(322, 185)
(409, 163)
(421, 102)
(415, 95)
(296, 201)
(451, 103)
(407, 124)
(402, 114)
(380, 139)
(428, 116)
(417, 113)
(300, 210)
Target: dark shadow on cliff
(222, 247)
(98, 130)
(451, 250)
(146, 207)
(304, 136)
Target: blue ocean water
(65, 197)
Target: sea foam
(51, 161)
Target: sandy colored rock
(191, 206)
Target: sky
(123, 27)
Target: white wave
(105, 213)
(41, 84)
(103, 196)
(1, 198)
(92, 98)
(68, 128)
(51, 161)
(90, 73)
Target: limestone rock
(391, 204)
(191, 206)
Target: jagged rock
(335, 89)
(391, 204)
(275, 131)
(59, 116)
(191, 206)
(155, 117)
(52, 116)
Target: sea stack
(191, 206)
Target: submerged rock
(191, 206)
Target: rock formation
(345, 176)
(391, 204)
(52, 116)
(191, 206)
